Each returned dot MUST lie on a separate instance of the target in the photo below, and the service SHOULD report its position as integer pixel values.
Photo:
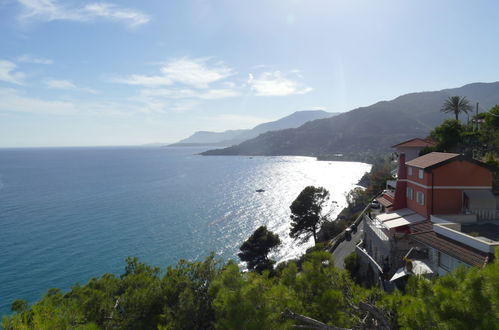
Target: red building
(442, 183)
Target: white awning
(403, 221)
(394, 215)
(420, 268)
(400, 273)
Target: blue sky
(78, 73)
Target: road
(347, 247)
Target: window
(421, 174)
(409, 170)
(420, 197)
(409, 193)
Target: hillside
(372, 128)
(232, 137)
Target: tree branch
(313, 324)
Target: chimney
(400, 200)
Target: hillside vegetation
(216, 295)
(368, 129)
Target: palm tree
(456, 104)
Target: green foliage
(352, 265)
(138, 299)
(188, 303)
(448, 135)
(256, 248)
(456, 105)
(306, 212)
(465, 299)
(492, 117)
(211, 295)
(330, 229)
(357, 199)
(19, 306)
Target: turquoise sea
(70, 214)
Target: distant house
(412, 148)
(442, 205)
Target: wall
(414, 177)
(413, 204)
(462, 173)
(410, 153)
(447, 201)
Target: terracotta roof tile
(416, 143)
(424, 233)
(431, 159)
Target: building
(445, 183)
(407, 150)
(442, 206)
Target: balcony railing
(484, 214)
(377, 229)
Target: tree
(448, 135)
(456, 105)
(306, 212)
(256, 248)
(492, 117)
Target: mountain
(206, 137)
(232, 137)
(372, 128)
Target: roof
(404, 221)
(383, 201)
(432, 159)
(423, 232)
(435, 159)
(399, 218)
(394, 215)
(416, 143)
(479, 194)
(481, 199)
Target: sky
(91, 73)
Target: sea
(70, 214)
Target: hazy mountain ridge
(372, 128)
(232, 137)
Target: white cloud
(59, 84)
(195, 72)
(198, 73)
(114, 13)
(66, 85)
(141, 80)
(183, 106)
(275, 84)
(7, 73)
(26, 58)
(210, 94)
(14, 100)
(51, 10)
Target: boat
(260, 190)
